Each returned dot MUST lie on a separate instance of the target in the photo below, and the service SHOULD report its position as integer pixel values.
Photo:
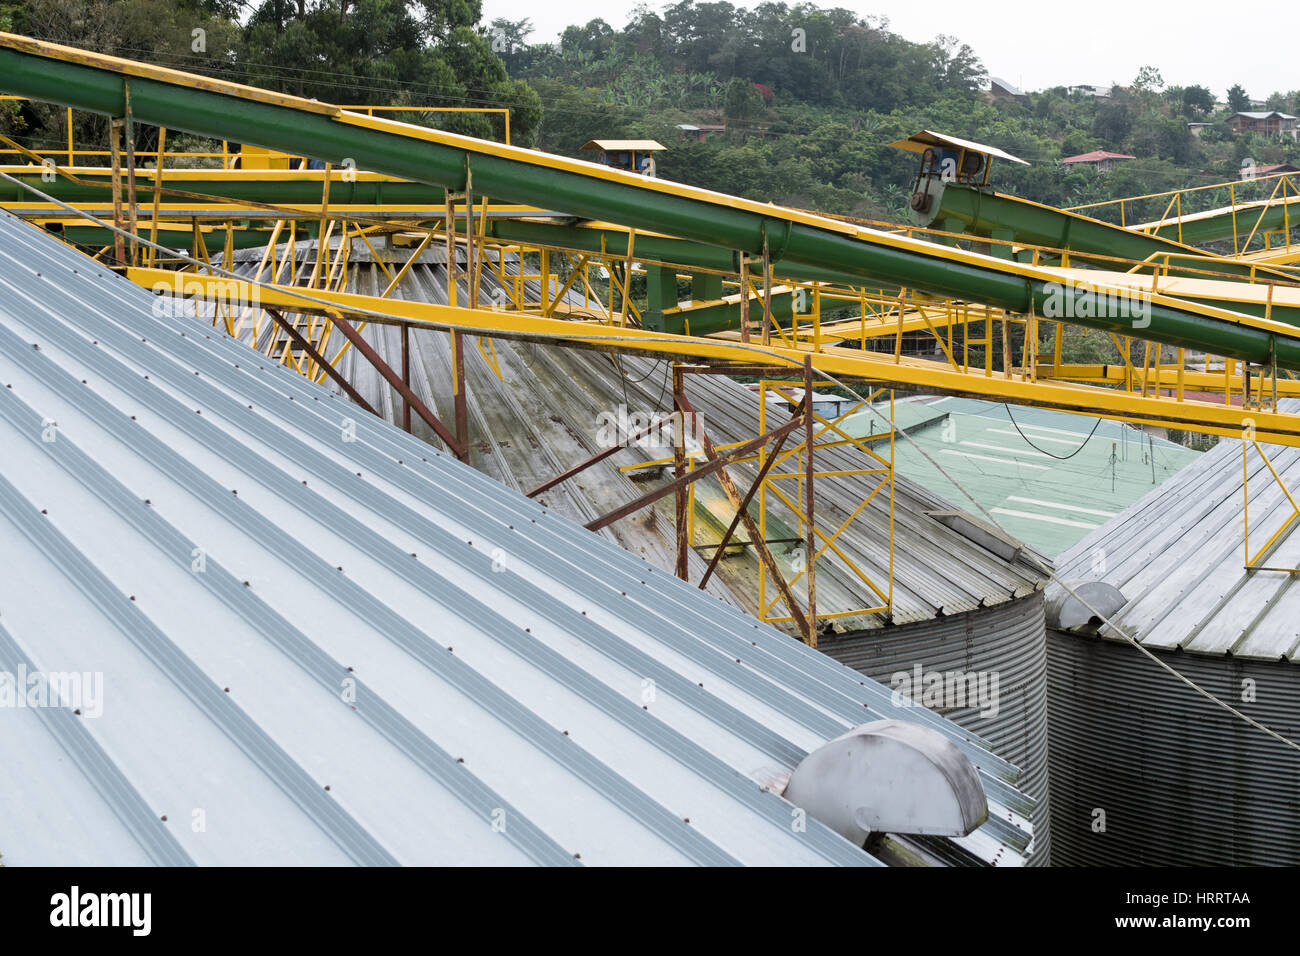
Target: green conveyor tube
(513, 175)
(986, 213)
(95, 188)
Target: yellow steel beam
(1168, 377)
(843, 363)
(1245, 293)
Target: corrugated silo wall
(1007, 639)
(1182, 782)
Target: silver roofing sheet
(326, 646)
(1178, 557)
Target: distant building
(1196, 129)
(701, 132)
(1089, 89)
(1255, 172)
(1098, 159)
(1271, 123)
(1000, 89)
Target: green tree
(743, 104)
(1113, 123)
(1238, 99)
(1197, 101)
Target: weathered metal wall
(1181, 781)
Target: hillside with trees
(809, 96)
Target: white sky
(1035, 44)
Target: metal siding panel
(1182, 782)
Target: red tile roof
(1095, 156)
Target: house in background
(1196, 129)
(1089, 89)
(1098, 159)
(1000, 89)
(1271, 123)
(1255, 172)
(700, 132)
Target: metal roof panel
(349, 677)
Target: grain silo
(967, 599)
(236, 633)
(1144, 769)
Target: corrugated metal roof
(542, 416)
(1177, 555)
(1047, 477)
(322, 641)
